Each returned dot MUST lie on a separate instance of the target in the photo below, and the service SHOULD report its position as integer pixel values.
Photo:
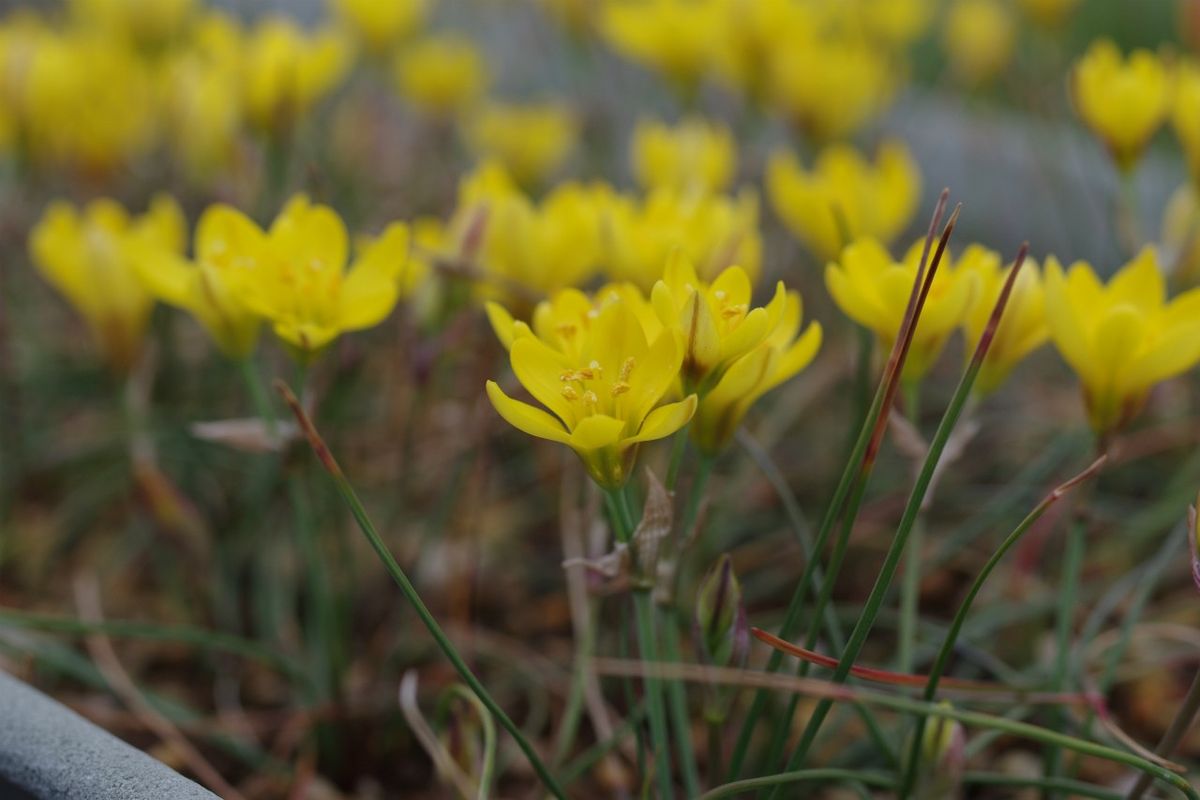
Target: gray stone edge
(48, 751)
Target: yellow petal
(1117, 339)
(502, 323)
(1140, 282)
(1066, 326)
(703, 340)
(169, 277)
(539, 368)
(525, 417)
(735, 283)
(665, 420)
(749, 333)
(795, 358)
(596, 432)
(365, 299)
(1176, 352)
(224, 231)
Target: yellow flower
(831, 87)
(380, 24)
(715, 321)
(713, 231)
(147, 23)
(300, 284)
(1049, 13)
(286, 70)
(674, 37)
(90, 258)
(228, 248)
(604, 401)
(530, 140)
(979, 37)
(895, 23)
(89, 102)
(200, 124)
(1181, 233)
(540, 248)
(1186, 115)
(1123, 101)
(845, 195)
(564, 320)
(873, 290)
(1121, 338)
(753, 31)
(693, 156)
(784, 354)
(441, 75)
(1023, 326)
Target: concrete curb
(48, 751)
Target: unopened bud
(721, 631)
(943, 758)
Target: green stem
(942, 660)
(862, 628)
(258, 395)
(972, 719)
(1174, 735)
(703, 472)
(716, 748)
(678, 708)
(823, 610)
(880, 780)
(588, 758)
(678, 448)
(801, 776)
(851, 473)
(320, 621)
(623, 528)
(643, 606)
(910, 596)
(1068, 594)
(1076, 788)
(182, 634)
(585, 648)
(414, 598)
(487, 770)
(800, 526)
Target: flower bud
(722, 635)
(943, 758)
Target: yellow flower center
(586, 385)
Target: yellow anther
(596, 369)
(627, 368)
(590, 399)
(729, 312)
(568, 391)
(565, 329)
(620, 387)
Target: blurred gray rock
(48, 752)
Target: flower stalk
(321, 450)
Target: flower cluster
(618, 368)
(1121, 338)
(829, 67)
(294, 275)
(116, 80)
(577, 230)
